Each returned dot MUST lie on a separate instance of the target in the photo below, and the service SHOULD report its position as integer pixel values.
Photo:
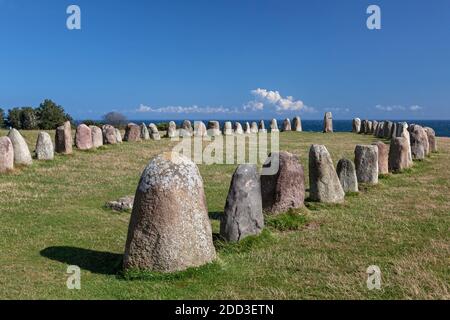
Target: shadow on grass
(106, 263)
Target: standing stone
(169, 228)
(328, 122)
(63, 139)
(248, 129)
(186, 129)
(44, 147)
(356, 125)
(297, 124)
(419, 143)
(383, 157)
(22, 154)
(431, 139)
(243, 214)
(323, 179)
(398, 154)
(6, 155)
(118, 135)
(172, 130)
(262, 127)
(214, 128)
(274, 126)
(284, 188)
(154, 133)
(363, 126)
(228, 128)
(387, 129)
(366, 162)
(83, 137)
(347, 175)
(286, 125)
(380, 131)
(97, 136)
(393, 130)
(200, 129)
(132, 133)
(402, 131)
(145, 135)
(369, 127)
(254, 127)
(374, 127)
(109, 134)
(238, 128)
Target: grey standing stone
(356, 125)
(6, 155)
(287, 125)
(366, 162)
(323, 179)
(431, 139)
(419, 143)
(154, 133)
(63, 139)
(363, 126)
(402, 131)
(145, 135)
(186, 129)
(83, 137)
(97, 136)
(380, 131)
(169, 228)
(387, 129)
(374, 127)
(346, 172)
(284, 188)
(44, 147)
(398, 154)
(172, 130)
(369, 127)
(328, 122)
(243, 214)
(22, 154)
(297, 124)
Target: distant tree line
(47, 116)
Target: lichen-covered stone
(44, 147)
(366, 162)
(346, 172)
(22, 155)
(63, 139)
(398, 154)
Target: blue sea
(442, 127)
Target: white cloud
(181, 109)
(337, 109)
(415, 108)
(398, 108)
(273, 99)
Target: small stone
(243, 214)
(22, 155)
(44, 147)
(366, 162)
(122, 204)
(383, 157)
(83, 137)
(6, 155)
(63, 139)
(346, 172)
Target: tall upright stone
(431, 134)
(363, 126)
(399, 154)
(97, 136)
(243, 214)
(132, 133)
(366, 162)
(274, 126)
(22, 155)
(153, 131)
(346, 172)
(419, 143)
(383, 157)
(169, 228)
(238, 128)
(369, 127)
(63, 139)
(172, 130)
(254, 127)
(328, 122)
(284, 188)
(356, 125)
(287, 125)
(297, 124)
(214, 128)
(118, 135)
(200, 129)
(44, 147)
(380, 130)
(374, 127)
(262, 127)
(248, 128)
(387, 129)
(83, 137)
(186, 129)
(402, 131)
(228, 128)
(145, 135)
(323, 179)
(6, 155)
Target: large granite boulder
(287, 125)
(419, 143)
(153, 131)
(323, 179)
(22, 155)
(243, 214)
(6, 155)
(97, 136)
(109, 134)
(132, 133)
(356, 125)
(366, 162)
(214, 128)
(297, 124)
(169, 228)
(44, 147)
(145, 135)
(83, 137)
(399, 154)
(228, 128)
(328, 122)
(284, 188)
(383, 157)
(346, 172)
(63, 139)
(431, 139)
(172, 130)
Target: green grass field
(52, 215)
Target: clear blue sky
(208, 58)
